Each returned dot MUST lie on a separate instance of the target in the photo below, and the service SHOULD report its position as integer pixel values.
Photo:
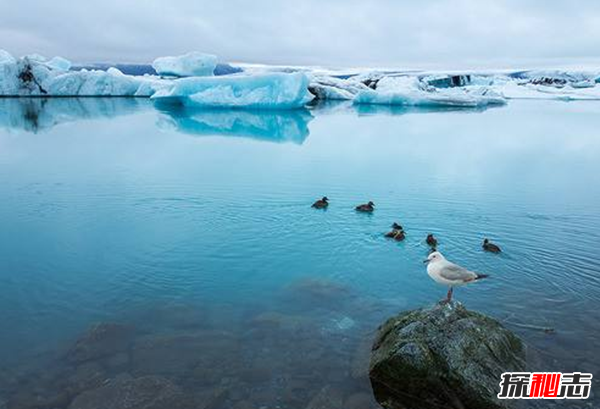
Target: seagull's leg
(449, 296)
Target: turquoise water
(179, 222)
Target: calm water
(195, 228)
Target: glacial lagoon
(189, 234)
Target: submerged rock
(149, 392)
(101, 340)
(443, 356)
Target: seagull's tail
(480, 276)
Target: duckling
(365, 208)
(432, 241)
(321, 203)
(397, 232)
(401, 235)
(491, 247)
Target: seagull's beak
(425, 261)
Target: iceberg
(33, 75)
(260, 91)
(192, 64)
(569, 92)
(325, 87)
(409, 91)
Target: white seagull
(449, 274)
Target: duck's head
(371, 204)
(485, 241)
(434, 257)
(396, 226)
(325, 199)
(430, 236)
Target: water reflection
(41, 114)
(373, 109)
(272, 126)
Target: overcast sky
(395, 33)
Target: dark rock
(100, 341)
(443, 356)
(149, 392)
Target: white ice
(266, 91)
(192, 64)
(409, 91)
(35, 76)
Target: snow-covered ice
(270, 91)
(410, 91)
(192, 64)
(325, 87)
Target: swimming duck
(321, 203)
(397, 232)
(432, 241)
(491, 247)
(401, 235)
(367, 208)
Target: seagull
(449, 274)
(491, 247)
(321, 203)
(366, 208)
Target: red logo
(545, 385)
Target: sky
(334, 33)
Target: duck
(431, 241)
(397, 233)
(491, 247)
(366, 208)
(401, 235)
(321, 203)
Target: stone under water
(442, 356)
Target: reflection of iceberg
(273, 126)
(382, 109)
(38, 114)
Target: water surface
(195, 228)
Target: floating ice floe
(569, 92)
(409, 91)
(263, 91)
(192, 64)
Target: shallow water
(196, 229)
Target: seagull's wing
(453, 272)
